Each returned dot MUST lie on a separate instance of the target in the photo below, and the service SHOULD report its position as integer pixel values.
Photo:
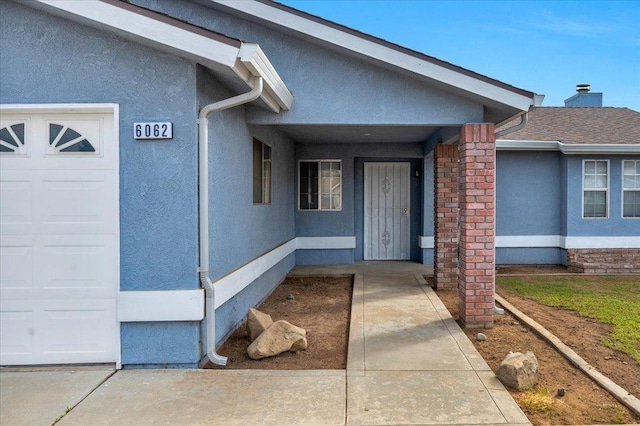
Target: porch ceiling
(358, 133)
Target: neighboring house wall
(158, 179)
(529, 200)
(242, 231)
(612, 226)
(600, 245)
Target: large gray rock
(257, 322)
(281, 336)
(518, 371)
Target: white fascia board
(252, 56)
(569, 149)
(169, 305)
(600, 148)
(379, 52)
(515, 145)
(175, 39)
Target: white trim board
(188, 305)
(169, 305)
(235, 282)
(553, 241)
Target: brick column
(445, 253)
(476, 278)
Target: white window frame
(266, 170)
(606, 190)
(320, 161)
(623, 189)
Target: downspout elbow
(210, 306)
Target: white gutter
(203, 209)
(566, 148)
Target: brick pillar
(445, 253)
(476, 278)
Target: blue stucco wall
(45, 59)
(528, 193)
(350, 220)
(240, 230)
(331, 85)
(529, 201)
(614, 225)
(160, 344)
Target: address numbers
(156, 130)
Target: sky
(546, 47)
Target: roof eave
(515, 98)
(212, 50)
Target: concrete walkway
(408, 363)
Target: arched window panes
(65, 139)
(12, 139)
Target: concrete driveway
(40, 397)
(408, 363)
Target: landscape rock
(257, 322)
(281, 336)
(481, 337)
(518, 371)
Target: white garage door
(59, 238)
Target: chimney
(584, 97)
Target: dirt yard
(584, 401)
(320, 305)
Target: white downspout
(203, 209)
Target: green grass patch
(612, 300)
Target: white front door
(59, 238)
(386, 211)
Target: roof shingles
(584, 125)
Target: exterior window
(320, 185)
(261, 173)
(631, 188)
(595, 184)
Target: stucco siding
(528, 193)
(45, 59)
(350, 220)
(331, 86)
(160, 344)
(241, 230)
(614, 224)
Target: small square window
(320, 185)
(261, 173)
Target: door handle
(405, 211)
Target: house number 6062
(155, 130)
